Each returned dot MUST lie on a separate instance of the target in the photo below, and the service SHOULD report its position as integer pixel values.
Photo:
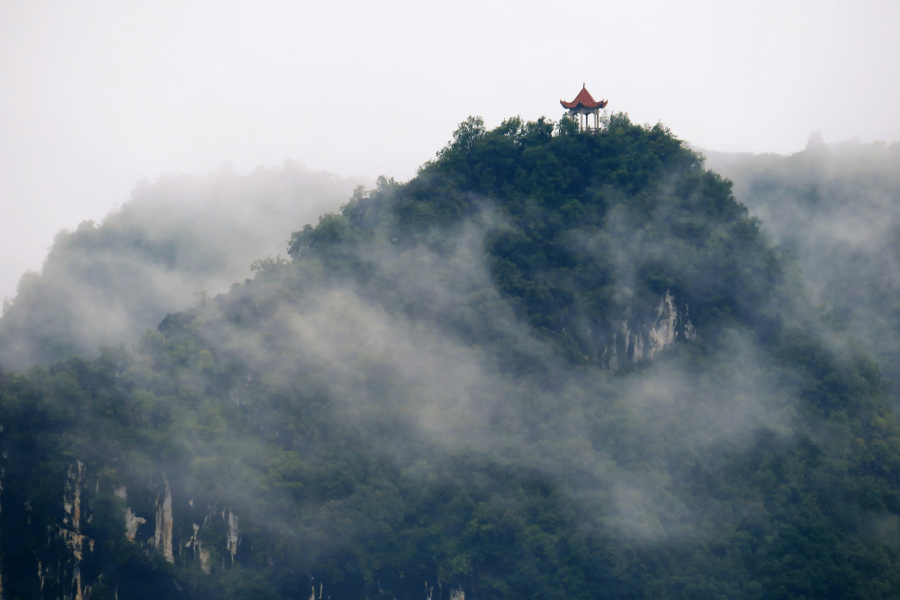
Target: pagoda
(584, 105)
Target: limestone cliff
(644, 336)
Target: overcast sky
(98, 95)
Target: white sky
(97, 95)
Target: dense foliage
(421, 402)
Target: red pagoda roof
(584, 99)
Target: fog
(97, 96)
(345, 406)
(177, 238)
(395, 358)
(837, 207)
(446, 383)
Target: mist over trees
(552, 365)
(837, 208)
(181, 236)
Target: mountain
(182, 236)
(552, 365)
(837, 207)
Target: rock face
(70, 531)
(201, 554)
(154, 519)
(162, 538)
(63, 546)
(231, 539)
(644, 337)
(132, 522)
(313, 596)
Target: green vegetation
(106, 283)
(836, 208)
(441, 391)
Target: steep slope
(108, 283)
(441, 396)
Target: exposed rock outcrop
(162, 537)
(70, 532)
(231, 540)
(644, 337)
(132, 522)
(201, 553)
(312, 596)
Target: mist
(837, 208)
(96, 96)
(553, 364)
(391, 364)
(403, 364)
(411, 386)
(532, 363)
(176, 239)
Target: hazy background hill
(837, 207)
(183, 235)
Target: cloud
(837, 207)
(106, 283)
(402, 375)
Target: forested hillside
(837, 208)
(552, 365)
(107, 283)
